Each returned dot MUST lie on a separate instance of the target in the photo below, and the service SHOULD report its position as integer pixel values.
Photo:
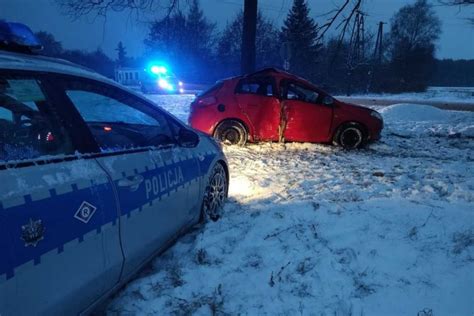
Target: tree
(96, 60)
(80, 8)
(229, 45)
(201, 41)
(51, 47)
(414, 31)
(457, 2)
(121, 55)
(300, 31)
(460, 4)
(186, 41)
(167, 37)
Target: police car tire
(350, 136)
(231, 132)
(215, 194)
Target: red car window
(261, 86)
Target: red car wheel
(350, 136)
(231, 132)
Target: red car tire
(351, 136)
(231, 132)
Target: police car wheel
(215, 194)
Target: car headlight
(376, 115)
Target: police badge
(32, 233)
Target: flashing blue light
(158, 70)
(18, 34)
(164, 84)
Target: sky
(89, 33)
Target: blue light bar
(158, 70)
(18, 34)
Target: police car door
(156, 180)
(57, 211)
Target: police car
(94, 181)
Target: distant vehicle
(273, 105)
(95, 181)
(158, 79)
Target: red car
(273, 105)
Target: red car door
(258, 101)
(305, 118)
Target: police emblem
(32, 233)
(85, 212)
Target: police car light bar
(157, 70)
(17, 35)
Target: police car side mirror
(187, 138)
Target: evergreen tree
(414, 30)
(167, 38)
(185, 41)
(229, 46)
(200, 42)
(122, 58)
(96, 60)
(300, 31)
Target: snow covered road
(315, 230)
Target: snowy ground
(315, 230)
(433, 94)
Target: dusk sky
(456, 40)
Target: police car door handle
(132, 182)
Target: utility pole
(249, 34)
(356, 49)
(377, 57)
(378, 44)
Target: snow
(433, 94)
(315, 230)
(413, 112)
(422, 120)
(175, 104)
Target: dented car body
(273, 105)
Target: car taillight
(207, 101)
(49, 137)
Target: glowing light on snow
(241, 186)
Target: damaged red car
(273, 105)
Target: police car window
(261, 86)
(28, 126)
(95, 107)
(117, 120)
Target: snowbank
(414, 120)
(463, 95)
(413, 112)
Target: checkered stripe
(63, 189)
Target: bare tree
(341, 16)
(456, 2)
(79, 8)
(459, 3)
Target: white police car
(94, 181)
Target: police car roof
(19, 61)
